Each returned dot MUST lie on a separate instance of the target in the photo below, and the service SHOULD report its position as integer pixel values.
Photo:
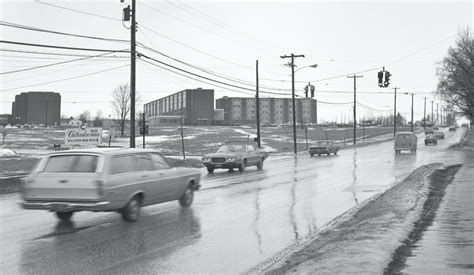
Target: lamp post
(293, 71)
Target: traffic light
(380, 75)
(387, 79)
(312, 90)
(126, 14)
(306, 91)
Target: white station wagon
(106, 179)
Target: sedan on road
(326, 147)
(430, 139)
(439, 134)
(106, 179)
(235, 154)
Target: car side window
(123, 164)
(159, 161)
(145, 163)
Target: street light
(293, 71)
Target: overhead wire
(65, 79)
(78, 11)
(60, 47)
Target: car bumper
(66, 206)
(319, 151)
(225, 165)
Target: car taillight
(100, 187)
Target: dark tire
(187, 198)
(328, 154)
(210, 170)
(319, 155)
(242, 165)
(64, 216)
(311, 155)
(260, 164)
(335, 153)
(131, 212)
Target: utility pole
(355, 103)
(424, 114)
(143, 129)
(257, 104)
(182, 134)
(395, 111)
(432, 118)
(292, 64)
(437, 114)
(412, 112)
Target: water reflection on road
(237, 221)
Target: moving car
(439, 134)
(405, 141)
(429, 131)
(235, 154)
(452, 128)
(430, 139)
(106, 179)
(327, 147)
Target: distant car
(104, 179)
(429, 131)
(235, 154)
(435, 128)
(327, 147)
(430, 139)
(405, 141)
(439, 134)
(452, 128)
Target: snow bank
(6, 153)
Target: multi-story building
(193, 106)
(273, 111)
(37, 108)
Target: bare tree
(85, 116)
(121, 105)
(456, 75)
(98, 119)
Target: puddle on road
(61, 229)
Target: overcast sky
(226, 38)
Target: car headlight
(204, 159)
(231, 158)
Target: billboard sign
(83, 137)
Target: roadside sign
(83, 137)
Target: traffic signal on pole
(380, 76)
(387, 79)
(126, 14)
(306, 91)
(312, 90)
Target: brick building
(273, 111)
(37, 108)
(195, 106)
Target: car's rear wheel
(187, 198)
(328, 154)
(210, 170)
(131, 212)
(311, 155)
(64, 216)
(260, 164)
(242, 165)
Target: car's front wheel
(64, 216)
(260, 164)
(210, 170)
(131, 211)
(187, 198)
(242, 165)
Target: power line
(204, 77)
(64, 79)
(24, 27)
(57, 54)
(60, 47)
(78, 11)
(53, 64)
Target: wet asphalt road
(237, 220)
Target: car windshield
(71, 163)
(229, 148)
(323, 143)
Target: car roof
(405, 133)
